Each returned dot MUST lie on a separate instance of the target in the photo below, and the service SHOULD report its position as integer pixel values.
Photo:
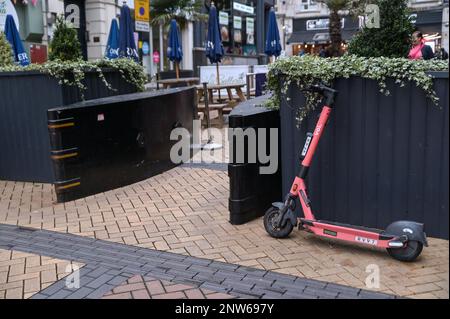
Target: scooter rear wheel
(269, 224)
(410, 252)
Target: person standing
(419, 50)
(443, 54)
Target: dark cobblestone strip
(108, 264)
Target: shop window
(306, 5)
(237, 21)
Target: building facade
(304, 24)
(243, 26)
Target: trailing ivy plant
(306, 70)
(73, 73)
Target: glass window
(237, 21)
(306, 5)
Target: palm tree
(163, 11)
(335, 27)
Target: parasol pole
(177, 69)
(218, 79)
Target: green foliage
(181, 10)
(65, 45)
(72, 73)
(6, 57)
(392, 39)
(307, 70)
(354, 7)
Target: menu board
(223, 18)
(237, 22)
(250, 25)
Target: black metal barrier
(103, 144)
(251, 193)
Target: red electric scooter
(403, 240)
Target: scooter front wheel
(270, 217)
(410, 252)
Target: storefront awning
(310, 37)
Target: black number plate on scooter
(329, 232)
(309, 137)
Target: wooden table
(168, 83)
(228, 87)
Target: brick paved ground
(185, 211)
(139, 287)
(108, 264)
(23, 274)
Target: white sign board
(6, 7)
(250, 25)
(237, 22)
(129, 3)
(142, 26)
(229, 74)
(243, 8)
(223, 18)
(260, 69)
(320, 24)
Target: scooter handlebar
(321, 88)
(324, 90)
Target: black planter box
(26, 97)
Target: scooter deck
(373, 230)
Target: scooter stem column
(318, 131)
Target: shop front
(242, 26)
(311, 35)
(29, 21)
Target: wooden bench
(213, 107)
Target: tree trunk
(335, 49)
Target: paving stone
(97, 271)
(201, 269)
(52, 289)
(373, 295)
(223, 266)
(117, 280)
(99, 281)
(280, 277)
(342, 289)
(99, 292)
(237, 284)
(215, 287)
(80, 293)
(311, 283)
(198, 261)
(61, 294)
(260, 281)
(182, 273)
(175, 265)
(208, 278)
(321, 293)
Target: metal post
(161, 48)
(150, 44)
(208, 120)
(248, 86)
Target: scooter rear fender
(413, 230)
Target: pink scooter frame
(322, 229)
(403, 239)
